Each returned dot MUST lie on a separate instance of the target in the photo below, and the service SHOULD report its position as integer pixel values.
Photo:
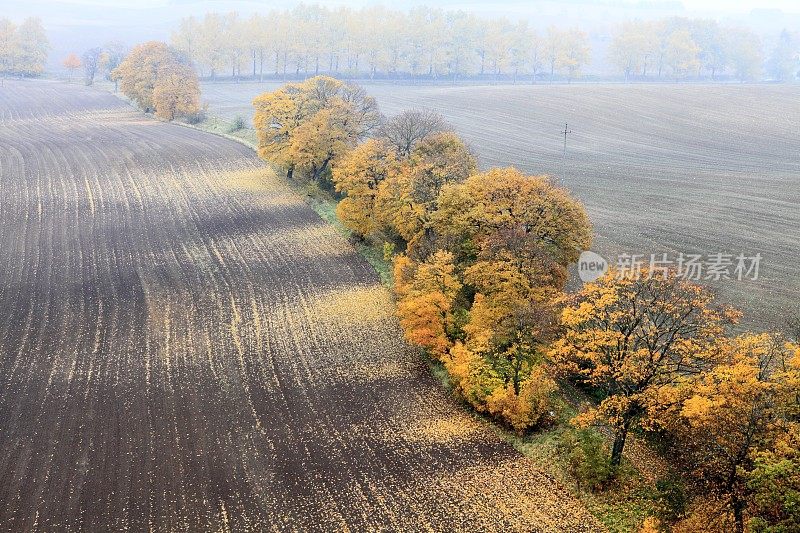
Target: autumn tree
(712, 44)
(358, 175)
(631, 48)
(304, 127)
(72, 63)
(774, 485)
(784, 62)
(426, 292)
(682, 54)
(31, 48)
(177, 92)
(553, 48)
(736, 422)
(537, 52)
(745, 54)
(630, 334)
(91, 62)
(7, 46)
(405, 201)
(115, 52)
(574, 53)
(511, 237)
(406, 129)
(504, 211)
(159, 80)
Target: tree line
(480, 263)
(377, 42)
(685, 48)
(23, 47)
(96, 61)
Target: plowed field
(662, 169)
(185, 345)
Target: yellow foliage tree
(651, 525)
(734, 411)
(358, 175)
(631, 335)
(426, 293)
(31, 47)
(306, 126)
(503, 212)
(526, 407)
(153, 73)
(406, 200)
(177, 92)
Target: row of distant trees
(23, 48)
(434, 43)
(684, 47)
(96, 61)
(377, 42)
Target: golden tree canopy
(631, 334)
(159, 79)
(543, 227)
(305, 126)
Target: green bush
(196, 118)
(238, 124)
(671, 498)
(587, 458)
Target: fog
(75, 25)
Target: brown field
(186, 346)
(661, 168)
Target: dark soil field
(693, 169)
(186, 346)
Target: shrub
(671, 498)
(238, 124)
(201, 115)
(530, 408)
(587, 458)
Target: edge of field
(320, 200)
(621, 508)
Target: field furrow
(186, 346)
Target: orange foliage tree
(426, 292)
(72, 63)
(510, 238)
(736, 428)
(632, 335)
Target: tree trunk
(738, 514)
(318, 172)
(619, 443)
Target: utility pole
(566, 132)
